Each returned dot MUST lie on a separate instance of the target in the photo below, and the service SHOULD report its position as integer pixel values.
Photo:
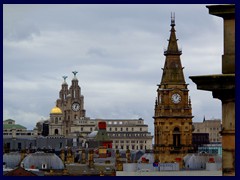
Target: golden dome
(56, 110)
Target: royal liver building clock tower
(71, 103)
(173, 111)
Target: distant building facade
(11, 129)
(129, 134)
(212, 127)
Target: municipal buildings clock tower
(173, 111)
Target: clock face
(75, 106)
(176, 98)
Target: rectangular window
(8, 145)
(19, 146)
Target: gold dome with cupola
(56, 110)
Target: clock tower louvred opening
(173, 111)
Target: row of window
(198, 130)
(132, 147)
(91, 129)
(20, 134)
(213, 134)
(56, 118)
(215, 140)
(127, 135)
(116, 142)
(124, 122)
(122, 129)
(18, 130)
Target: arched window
(56, 131)
(176, 137)
(56, 120)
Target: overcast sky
(117, 50)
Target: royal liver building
(68, 119)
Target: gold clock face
(176, 98)
(75, 106)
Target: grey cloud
(117, 50)
(21, 32)
(98, 52)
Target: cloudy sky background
(117, 50)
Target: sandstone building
(173, 111)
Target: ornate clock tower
(173, 111)
(71, 102)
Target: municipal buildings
(173, 110)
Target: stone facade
(212, 127)
(173, 111)
(129, 134)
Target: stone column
(90, 158)
(83, 157)
(223, 86)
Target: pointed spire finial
(173, 19)
(204, 118)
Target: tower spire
(172, 45)
(173, 70)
